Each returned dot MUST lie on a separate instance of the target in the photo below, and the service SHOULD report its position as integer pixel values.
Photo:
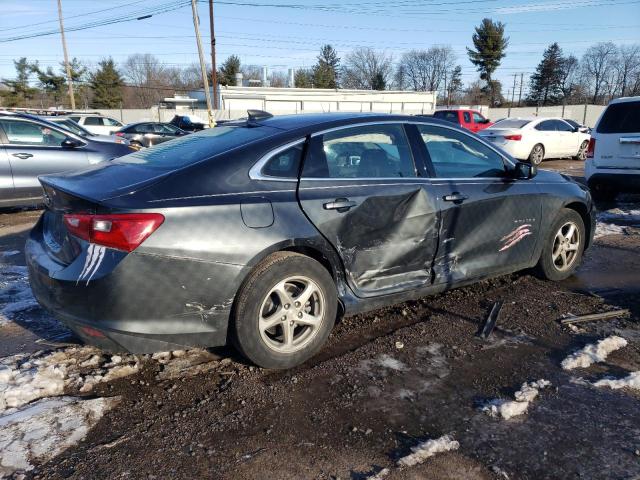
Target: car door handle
(455, 197)
(340, 204)
(23, 156)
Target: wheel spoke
(308, 319)
(287, 333)
(306, 294)
(272, 320)
(283, 295)
(563, 255)
(570, 232)
(573, 246)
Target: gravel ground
(386, 382)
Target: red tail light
(513, 137)
(125, 231)
(591, 150)
(119, 134)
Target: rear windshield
(447, 115)
(198, 146)
(621, 118)
(510, 123)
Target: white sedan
(535, 139)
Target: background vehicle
(68, 124)
(613, 163)
(535, 139)
(258, 230)
(580, 127)
(30, 147)
(97, 123)
(146, 134)
(469, 119)
(188, 123)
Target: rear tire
(537, 154)
(270, 326)
(582, 151)
(563, 247)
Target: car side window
(144, 128)
(477, 118)
(368, 151)
(26, 133)
(285, 164)
(546, 126)
(75, 119)
(563, 126)
(93, 121)
(110, 122)
(454, 154)
(467, 117)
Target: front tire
(284, 311)
(564, 246)
(537, 154)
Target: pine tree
(378, 82)
(325, 72)
(455, 84)
(106, 84)
(228, 70)
(303, 78)
(546, 83)
(19, 90)
(490, 45)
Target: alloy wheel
(291, 314)
(582, 153)
(537, 155)
(566, 246)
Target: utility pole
(203, 68)
(214, 73)
(520, 95)
(513, 93)
(66, 57)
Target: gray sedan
(147, 134)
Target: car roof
(624, 100)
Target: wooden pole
(214, 73)
(72, 98)
(203, 68)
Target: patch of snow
(593, 353)
(630, 381)
(603, 229)
(380, 475)
(619, 214)
(427, 449)
(391, 363)
(44, 429)
(523, 397)
(15, 292)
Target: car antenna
(256, 115)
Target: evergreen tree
(455, 84)
(325, 72)
(228, 70)
(19, 90)
(303, 78)
(546, 83)
(378, 82)
(490, 45)
(106, 84)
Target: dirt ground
(387, 381)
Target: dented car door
(490, 221)
(359, 187)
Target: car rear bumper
(621, 179)
(136, 302)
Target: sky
(282, 34)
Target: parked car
(30, 147)
(466, 118)
(68, 124)
(97, 124)
(260, 231)
(535, 139)
(147, 134)
(188, 123)
(577, 125)
(613, 163)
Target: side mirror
(525, 170)
(486, 120)
(70, 143)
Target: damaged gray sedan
(262, 231)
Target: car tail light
(124, 231)
(119, 134)
(513, 137)
(591, 150)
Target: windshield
(73, 127)
(510, 123)
(197, 146)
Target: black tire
(546, 267)
(582, 151)
(534, 157)
(245, 332)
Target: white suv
(97, 123)
(613, 158)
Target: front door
(490, 222)
(35, 149)
(360, 189)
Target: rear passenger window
(369, 151)
(621, 118)
(285, 164)
(454, 154)
(93, 121)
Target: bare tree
(278, 79)
(147, 74)
(627, 67)
(569, 76)
(426, 70)
(597, 63)
(367, 69)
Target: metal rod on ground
(594, 316)
(214, 73)
(66, 58)
(491, 320)
(203, 68)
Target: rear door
(360, 188)
(490, 221)
(548, 136)
(466, 120)
(34, 149)
(7, 191)
(618, 136)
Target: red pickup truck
(469, 119)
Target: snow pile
(603, 229)
(523, 397)
(15, 292)
(44, 429)
(593, 353)
(630, 381)
(427, 449)
(380, 475)
(620, 214)
(385, 361)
